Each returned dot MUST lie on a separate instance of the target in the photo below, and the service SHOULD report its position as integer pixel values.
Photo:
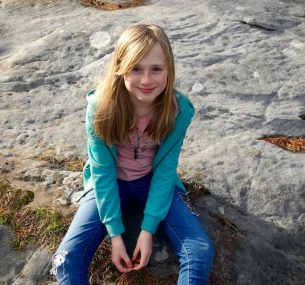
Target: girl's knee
(59, 261)
(202, 251)
(65, 266)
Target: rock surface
(23, 268)
(241, 62)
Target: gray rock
(242, 64)
(24, 267)
(36, 268)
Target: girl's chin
(145, 100)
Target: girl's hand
(143, 250)
(119, 255)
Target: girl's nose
(146, 78)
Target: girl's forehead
(155, 55)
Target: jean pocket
(186, 200)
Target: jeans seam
(188, 259)
(187, 202)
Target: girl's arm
(159, 200)
(165, 174)
(142, 251)
(103, 171)
(119, 255)
(104, 178)
(162, 188)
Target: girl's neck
(142, 111)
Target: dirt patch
(293, 144)
(29, 225)
(55, 162)
(112, 5)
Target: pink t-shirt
(136, 154)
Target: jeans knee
(203, 252)
(196, 261)
(69, 268)
(59, 261)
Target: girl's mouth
(146, 90)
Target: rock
(36, 268)
(241, 63)
(26, 267)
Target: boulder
(241, 62)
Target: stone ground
(242, 64)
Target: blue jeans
(182, 226)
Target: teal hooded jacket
(100, 172)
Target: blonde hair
(115, 115)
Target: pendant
(135, 153)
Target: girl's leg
(73, 257)
(189, 239)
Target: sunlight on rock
(197, 87)
(100, 39)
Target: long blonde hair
(115, 115)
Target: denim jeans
(189, 240)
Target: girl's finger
(135, 255)
(139, 266)
(143, 263)
(126, 260)
(121, 266)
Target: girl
(136, 122)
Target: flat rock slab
(241, 63)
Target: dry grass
(293, 144)
(144, 277)
(195, 189)
(13, 199)
(107, 272)
(36, 226)
(75, 165)
(40, 226)
(226, 238)
(110, 6)
(29, 225)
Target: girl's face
(148, 78)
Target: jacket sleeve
(104, 179)
(162, 188)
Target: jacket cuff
(115, 228)
(150, 224)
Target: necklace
(136, 137)
(137, 145)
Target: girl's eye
(156, 69)
(136, 69)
